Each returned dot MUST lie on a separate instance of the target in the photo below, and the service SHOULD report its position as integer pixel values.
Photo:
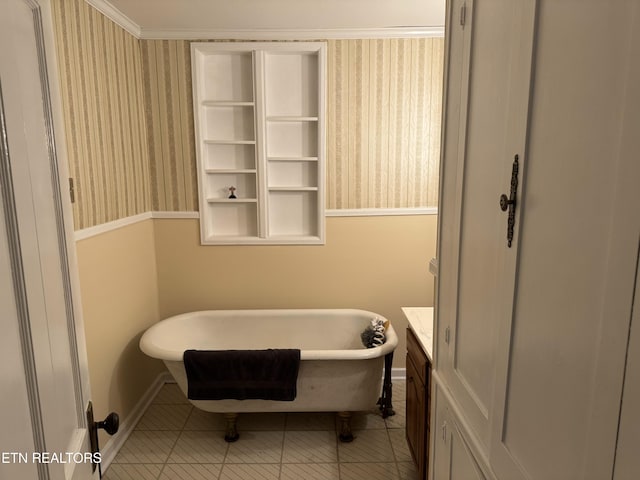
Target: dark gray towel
(242, 374)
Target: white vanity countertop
(421, 322)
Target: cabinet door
(439, 465)
(462, 464)
(453, 459)
(477, 158)
(416, 419)
(563, 347)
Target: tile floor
(175, 441)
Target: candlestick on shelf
(232, 190)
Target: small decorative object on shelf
(232, 194)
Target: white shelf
(229, 142)
(292, 119)
(229, 170)
(226, 103)
(292, 159)
(293, 189)
(232, 200)
(259, 118)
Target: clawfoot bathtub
(337, 373)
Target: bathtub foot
(231, 434)
(387, 387)
(345, 435)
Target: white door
(563, 343)
(485, 113)
(535, 352)
(44, 368)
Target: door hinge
(447, 335)
(72, 191)
(463, 14)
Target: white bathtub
(337, 373)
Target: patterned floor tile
(368, 446)
(311, 421)
(368, 471)
(170, 393)
(261, 421)
(174, 441)
(310, 447)
(190, 472)
(398, 420)
(407, 471)
(164, 417)
(399, 445)
(199, 447)
(132, 472)
(399, 389)
(201, 420)
(256, 447)
(310, 471)
(147, 447)
(367, 420)
(250, 472)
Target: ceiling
(167, 18)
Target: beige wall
(118, 282)
(133, 276)
(373, 263)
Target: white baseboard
(115, 443)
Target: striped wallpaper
(383, 123)
(102, 95)
(166, 67)
(130, 133)
(383, 115)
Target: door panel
(576, 260)
(463, 465)
(15, 398)
(439, 464)
(39, 259)
(472, 241)
(416, 419)
(452, 457)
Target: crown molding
(142, 33)
(291, 34)
(116, 16)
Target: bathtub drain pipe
(385, 399)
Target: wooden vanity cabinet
(418, 403)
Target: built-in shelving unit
(259, 113)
